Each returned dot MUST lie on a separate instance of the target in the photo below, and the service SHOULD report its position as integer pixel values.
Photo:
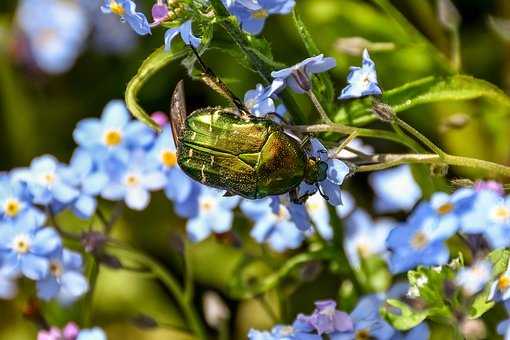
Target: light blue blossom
(417, 242)
(504, 329)
(490, 216)
(45, 182)
(252, 14)
(114, 132)
(132, 180)
(185, 30)
(65, 280)
(317, 209)
(365, 237)
(95, 333)
(214, 215)
(164, 153)
(56, 31)
(298, 331)
(8, 286)
(15, 200)
(325, 319)
(367, 324)
(109, 37)
(500, 288)
(473, 279)
(26, 249)
(335, 174)
(298, 76)
(395, 189)
(260, 101)
(348, 205)
(126, 10)
(362, 80)
(88, 178)
(273, 223)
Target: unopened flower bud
(448, 14)
(439, 170)
(93, 241)
(215, 310)
(302, 80)
(144, 321)
(383, 111)
(356, 45)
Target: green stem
(188, 273)
(318, 106)
(420, 137)
(170, 282)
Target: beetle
(228, 148)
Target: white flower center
(207, 204)
(419, 240)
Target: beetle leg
(294, 196)
(214, 82)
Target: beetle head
(316, 170)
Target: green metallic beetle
(229, 149)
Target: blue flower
(82, 173)
(15, 200)
(298, 331)
(348, 205)
(490, 216)
(186, 33)
(252, 14)
(500, 289)
(273, 223)
(417, 242)
(113, 133)
(8, 287)
(317, 209)
(504, 329)
(298, 76)
(56, 31)
(259, 101)
(44, 181)
(395, 189)
(26, 249)
(473, 279)
(365, 237)
(164, 153)
(65, 280)
(132, 180)
(325, 319)
(367, 324)
(335, 175)
(215, 214)
(95, 333)
(126, 10)
(362, 80)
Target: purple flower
(325, 319)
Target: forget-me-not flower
(260, 101)
(95, 333)
(317, 209)
(56, 32)
(503, 329)
(82, 173)
(325, 319)
(15, 200)
(26, 249)
(335, 175)
(114, 132)
(362, 80)
(252, 14)
(45, 182)
(273, 223)
(348, 205)
(297, 331)
(215, 214)
(365, 237)
(126, 10)
(500, 288)
(395, 189)
(185, 30)
(417, 242)
(65, 280)
(298, 76)
(8, 286)
(473, 279)
(367, 323)
(132, 180)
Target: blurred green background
(38, 113)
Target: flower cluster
(71, 332)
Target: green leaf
(481, 304)
(499, 259)
(405, 317)
(154, 62)
(425, 91)
(374, 274)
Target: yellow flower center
(503, 282)
(362, 334)
(21, 244)
(132, 180)
(116, 8)
(112, 137)
(12, 207)
(207, 204)
(500, 213)
(260, 14)
(48, 178)
(282, 214)
(445, 208)
(55, 269)
(419, 240)
(169, 158)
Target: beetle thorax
(316, 170)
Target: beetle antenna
(321, 193)
(216, 84)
